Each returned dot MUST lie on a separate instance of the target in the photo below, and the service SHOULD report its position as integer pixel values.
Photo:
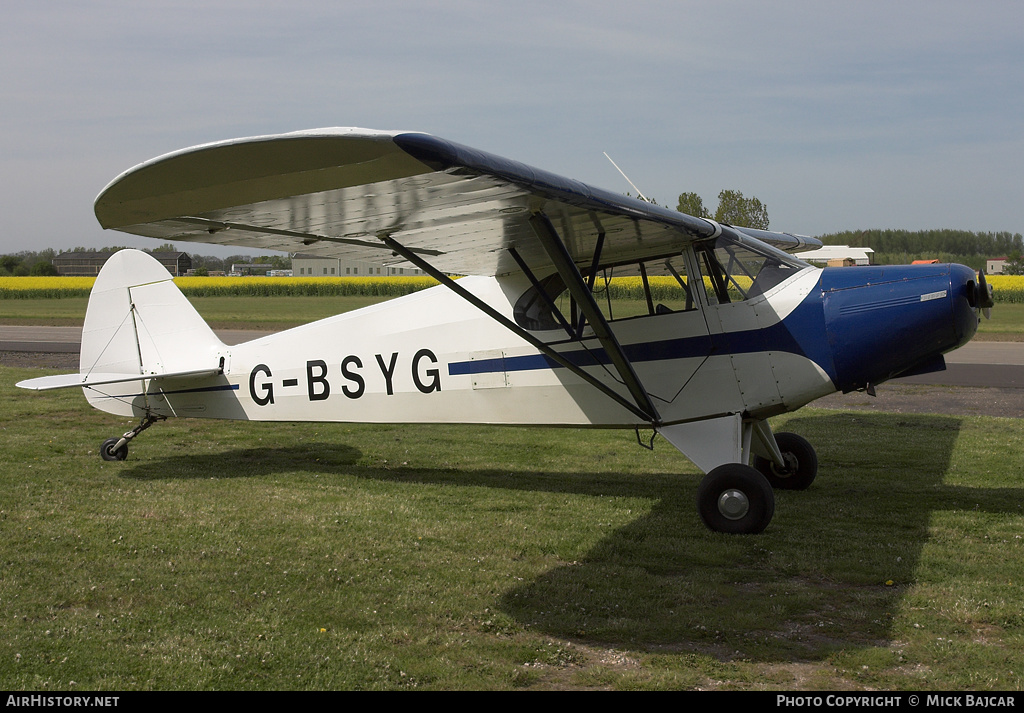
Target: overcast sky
(836, 115)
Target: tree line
(891, 247)
(952, 242)
(898, 247)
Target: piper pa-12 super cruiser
(732, 330)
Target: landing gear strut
(117, 448)
(801, 463)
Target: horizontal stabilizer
(65, 381)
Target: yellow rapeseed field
(1006, 288)
(57, 287)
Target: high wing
(379, 195)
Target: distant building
(995, 265)
(828, 253)
(306, 265)
(250, 268)
(88, 264)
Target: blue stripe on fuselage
(802, 332)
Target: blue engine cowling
(883, 321)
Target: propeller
(981, 296)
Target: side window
(536, 309)
(670, 287)
(658, 286)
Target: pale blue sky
(836, 115)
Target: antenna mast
(642, 196)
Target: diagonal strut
(570, 274)
(544, 348)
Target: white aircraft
(528, 338)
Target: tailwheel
(735, 499)
(117, 448)
(110, 451)
(801, 463)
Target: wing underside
(346, 192)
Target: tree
(43, 269)
(1014, 264)
(742, 212)
(691, 204)
(9, 262)
(280, 262)
(733, 209)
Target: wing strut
(570, 274)
(451, 284)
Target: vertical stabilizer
(139, 322)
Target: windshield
(739, 269)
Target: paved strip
(1007, 376)
(20, 338)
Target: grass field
(264, 313)
(315, 556)
(227, 555)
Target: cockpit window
(658, 286)
(733, 270)
(737, 270)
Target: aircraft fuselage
(431, 357)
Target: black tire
(107, 451)
(735, 499)
(801, 460)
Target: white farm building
(837, 255)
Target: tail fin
(138, 323)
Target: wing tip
(165, 186)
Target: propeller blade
(984, 294)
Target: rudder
(139, 322)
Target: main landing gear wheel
(735, 499)
(108, 450)
(801, 463)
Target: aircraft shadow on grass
(665, 582)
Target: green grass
(1006, 323)
(227, 555)
(269, 313)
